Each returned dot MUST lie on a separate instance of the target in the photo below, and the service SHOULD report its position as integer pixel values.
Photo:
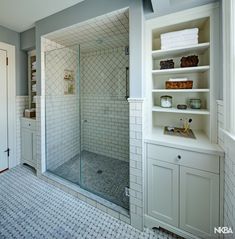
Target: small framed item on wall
(69, 82)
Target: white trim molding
(11, 102)
(228, 11)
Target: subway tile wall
(136, 162)
(228, 144)
(105, 110)
(62, 111)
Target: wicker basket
(179, 84)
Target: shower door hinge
(127, 191)
(7, 61)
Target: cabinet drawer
(28, 123)
(186, 158)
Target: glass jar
(166, 101)
(195, 103)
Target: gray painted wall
(27, 40)
(90, 9)
(13, 38)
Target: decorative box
(168, 64)
(179, 84)
(189, 61)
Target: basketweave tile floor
(32, 208)
(102, 175)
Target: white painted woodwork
(183, 191)
(28, 142)
(191, 159)
(163, 189)
(175, 110)
(4, 111)
(196, 69)
(199, 202)
(175, 52)
(31, 58)
(205, 76)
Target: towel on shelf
(178, 79)
(175, 34)
(179, 39)
(178, 44)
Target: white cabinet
(163, 191)
(183, 191)
(199, 202)
(28, 142)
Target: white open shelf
(176, 52)
(180, 90)
(196, 69)
(175, 110)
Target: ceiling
(107, 31)
(20, 15)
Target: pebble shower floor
(31, 208)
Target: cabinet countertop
(200, 144)
(26, 118)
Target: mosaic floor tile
(110, 183)
(32, 208)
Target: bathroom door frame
(11, 107)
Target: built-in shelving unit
(32, 79)
(201, 75)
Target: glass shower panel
(105, 123)
(63, 134)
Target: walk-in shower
(86, 107)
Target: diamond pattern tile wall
(105, 114)
(107, 31)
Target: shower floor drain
(99, 171)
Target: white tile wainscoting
(227, 142)
(135, 216)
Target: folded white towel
(178, 44)
(178, 79)
(192, 31)
(179, 39)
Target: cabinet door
(199, 202)
(163, 191)
(27, 144)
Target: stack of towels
(34, 76)
(179, 39)
(34, 99)
(34, 88)
(34, 65)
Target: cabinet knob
(178, 157)
(29, 124)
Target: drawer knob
(29, 124)
(178, 157)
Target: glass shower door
(63, 137)
(105, 124)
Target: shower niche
(87, 112)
